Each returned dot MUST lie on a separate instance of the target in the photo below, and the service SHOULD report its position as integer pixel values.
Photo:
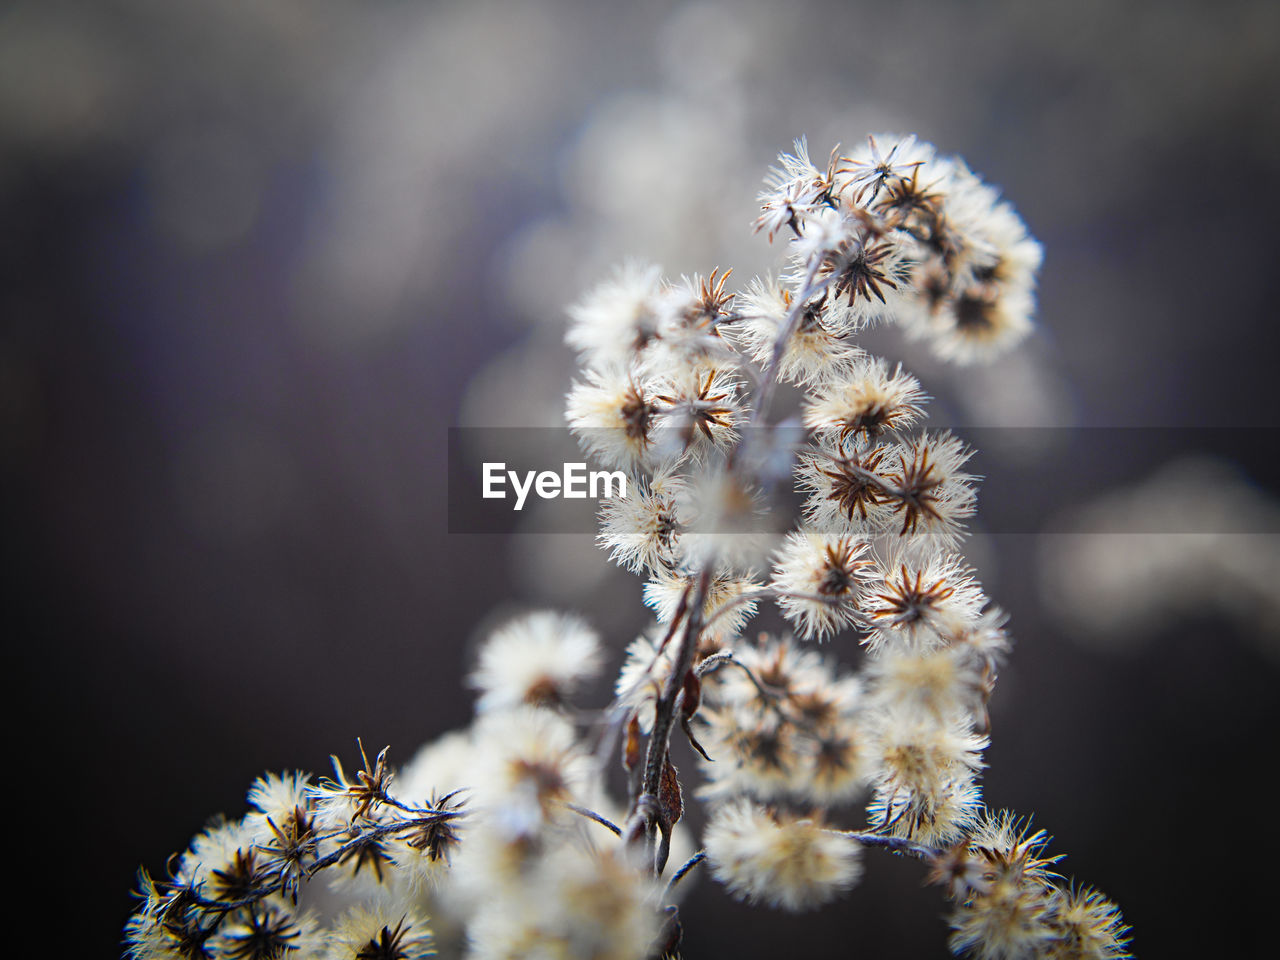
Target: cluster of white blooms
(677, 377)
(500, 834)
(902, 234)
(488, 832)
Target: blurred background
(257, 258)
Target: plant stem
(769, 378)
(664, 712)
(679, 875)
(894, 844)
(592, 815)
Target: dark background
(257, 258)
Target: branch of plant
(767, 593)
(366, 836)
(769, 380)
(680, 874)
(592, 815)
(894, 844)
(644, 811)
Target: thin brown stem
(765, 593)
(619, 711)
(769, 378)
(645, 808)
(715, 661)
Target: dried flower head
(818, 351)
(818, 579)
(540, 659)
(914, 602)
(381, 930)
(613, 415)
(795, 190)
(867, 402)
(1087, 926)
(846, 488)
(611, 326)
(729, 602)
(643, 529)
(779, 860)
(882, 163)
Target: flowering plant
(502, 840)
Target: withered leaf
(692, 695)
(670, 801)
(631, 747)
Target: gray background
(258, 257)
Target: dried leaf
(692, 695)
(670, 801)
(631, 748)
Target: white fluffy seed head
(777, 859)
(277, 797)
(819, 350)
(841, 495)
(612, 324)
(528, 763)
(923, 755)
(214, 848)
(941, 816)
(870, 400)
(754, 753)
(726, 607)
(612, 414)
(381, 928)
(644, 672)
(939, 683)
(643, 529)
(795, 190)
(819, 579)
(928, 493)
(575, 903)
(981, 322)
(697, 412)
(916, 601)
(540, 659)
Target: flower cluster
(502, 833)
(240, 889)
(901, 234)
(490, 837)
(891, 232)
